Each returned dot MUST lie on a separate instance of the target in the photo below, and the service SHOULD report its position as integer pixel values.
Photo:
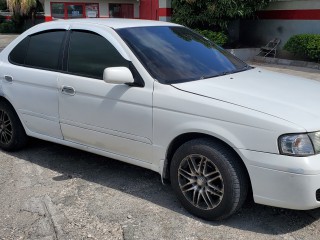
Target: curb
(287, 62)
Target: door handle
(68, 90)
(8, 78)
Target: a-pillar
(165, 10)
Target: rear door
(30, 80)
(113, 118)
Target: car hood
(293, 99)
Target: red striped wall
(165, 12)
(305, 14)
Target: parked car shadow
(145, 184)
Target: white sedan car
(162, 97)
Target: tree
(214, 14)
(21, 7)
(20, 10)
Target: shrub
(2, 19)
(214, 13)
(217, 37)
(305, 44)
(7, 27)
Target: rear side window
(41, 50)
(90, 54)
(44, 50)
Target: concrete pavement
(291, 70)
(5, 39)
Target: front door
(109, 117)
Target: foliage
(3, 5)
(217, 37)
(305, 44)
(22, 10)
(7, 27)
(21, 7)
(213, 14)
(2, 19)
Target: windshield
(177, 54)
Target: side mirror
(118, 75)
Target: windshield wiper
(245, 68)
(216, 75)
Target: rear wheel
(208, 179)
(12, 133)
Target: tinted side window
(18, 54)
(44, 49)
(90, 54)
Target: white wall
(294, 4)
(259, 32)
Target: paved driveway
(296, 71)
(48, 191)
(5, 39)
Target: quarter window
(90, 54)
(18, 54)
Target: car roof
(118, 23)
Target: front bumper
(283, 181)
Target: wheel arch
(185, 137)
(4, 99)
(13, 134)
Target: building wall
(103, 6)
(155, 10)
(149, 9)
(165, 10)
(282, 19)
(146, 9)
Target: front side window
(41, 50)
(90, 53)
(177, 54)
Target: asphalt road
(49, 191)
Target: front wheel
(209, 179)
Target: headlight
(300, 144)
(315, 138)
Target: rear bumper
(293, 186)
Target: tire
(210, 180)
(12, 134)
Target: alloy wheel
(200, 182)
(5, 128)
